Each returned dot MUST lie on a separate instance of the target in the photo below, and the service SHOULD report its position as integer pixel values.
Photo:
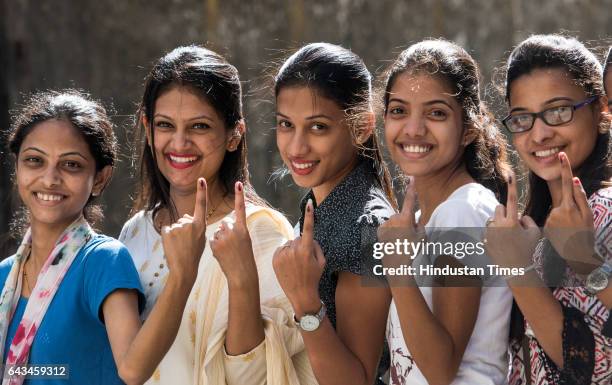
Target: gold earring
(236, 136)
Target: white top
(197, 356)
(485, 360)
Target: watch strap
(606, 269)
(319, 315)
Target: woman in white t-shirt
(236, 324)
(442, 137)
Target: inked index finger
(567, 188)
(200, 210)
(308, 228)
(512, 199)
(239, 205)
(409, 203)
(580, 197)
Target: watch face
(597, 281)
(309, 323)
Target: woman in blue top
(71, 297)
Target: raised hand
(184, 241)
(510, 240)
(299, 265)
(402, 225)
(231, 245)
(569, 226)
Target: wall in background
(106, 47)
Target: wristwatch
(311, 322)
(598, 279)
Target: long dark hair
(88, 117)
(606, 68)
(339, 75)
(555, 51)
(486, 157)
(213, 79)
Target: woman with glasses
(561, 332)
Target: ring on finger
(489, 221)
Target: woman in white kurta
(237, 326)
(198, 350)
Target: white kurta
(197, 356)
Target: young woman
(71, 297)
(236, 327)
(324, 134)
(559, 128)
(442, 137)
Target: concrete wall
(106, 47)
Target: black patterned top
(345, 227)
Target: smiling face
(423, 125)
(190, 138)
(56, 173)
(538, 148)
(314, 139)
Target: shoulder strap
(526, 359)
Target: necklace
(160, 218)
(212, 211)
(25, 275)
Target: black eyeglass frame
(540, 115)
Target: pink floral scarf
(50, 277)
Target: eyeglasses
(554, 116)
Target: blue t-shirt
(72, 331)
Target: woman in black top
(325, 135)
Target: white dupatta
(286, 359)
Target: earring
(236, 136)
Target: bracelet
(525, 271)
(529, 268)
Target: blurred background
(106, 47)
